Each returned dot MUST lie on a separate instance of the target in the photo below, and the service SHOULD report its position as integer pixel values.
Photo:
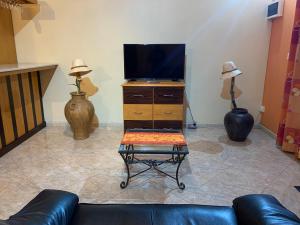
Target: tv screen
(154, 61)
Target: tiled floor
(217, 170)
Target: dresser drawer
(138, 95)
(170, 124)
(167, 112)
(138, 124)
(165, 95)
(137, 111)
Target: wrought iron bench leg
(180, 184)
(177, 158)
(123, 183)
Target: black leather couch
(52, 207)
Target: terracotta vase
(79, 113)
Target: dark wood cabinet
(167, 124)
(138, 124)
(138, 95)
(153, 105)
(168, 95)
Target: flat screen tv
(154, 61)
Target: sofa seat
(87, 214)
(54, 207)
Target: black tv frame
(154, 79)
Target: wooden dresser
(153, 105)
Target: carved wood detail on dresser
(153, 105)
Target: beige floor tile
(216, 171)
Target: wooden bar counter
(22, 87)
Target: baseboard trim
(268, 131)
(203, 125)
(111, 125)
(65, 124)
(57, 124)
(116, 124)
(211, 125)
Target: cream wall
(214, 31)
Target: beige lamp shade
(88, 87)
(79, 68)
(230, 70)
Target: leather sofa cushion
(263, 210)
(149, 214)
(50, 207)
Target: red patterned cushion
(153, 138)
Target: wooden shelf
(12, 69)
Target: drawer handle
(168, 96)
(138, 113)
(168, 113)
(138, 96)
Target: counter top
(10, 69)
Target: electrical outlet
(262, 109)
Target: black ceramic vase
(238, 124)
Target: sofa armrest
(50, 207)
(263, 210)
